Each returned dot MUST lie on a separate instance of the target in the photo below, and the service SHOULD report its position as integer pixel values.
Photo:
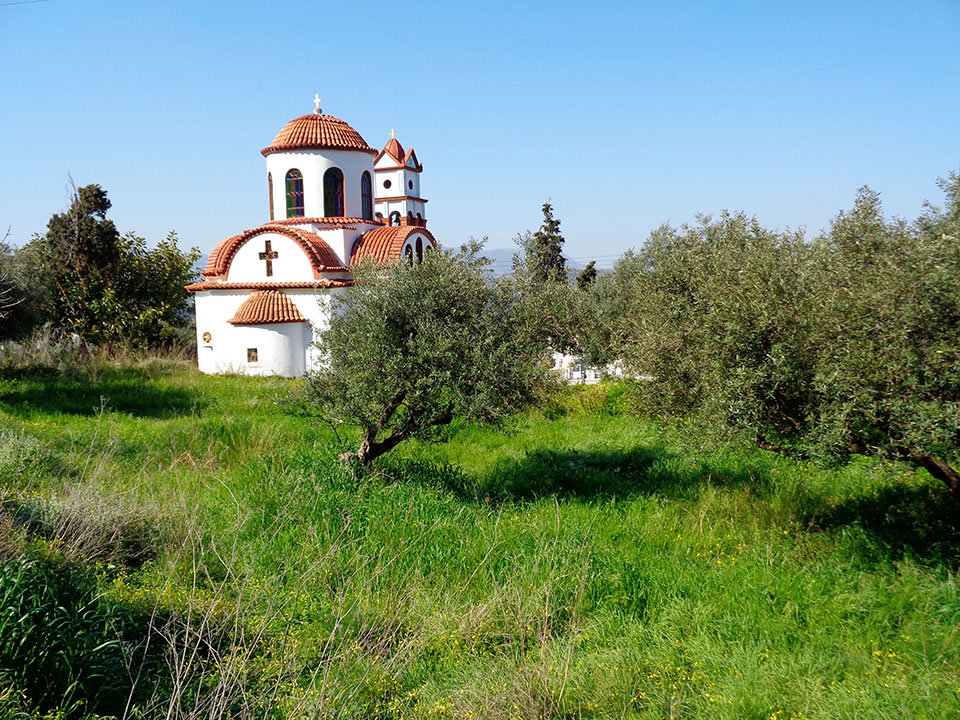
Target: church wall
(291, 263)
(402, 207)
(341, 240)
(396, 184)
(316, 306)
(213, 310)
(281, 349)
(313, 164)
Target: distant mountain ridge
(503, 260)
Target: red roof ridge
(322, 283)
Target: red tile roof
(384, 244)
(322, 257)
(317, 132)
(265, 307)
(320, 284)
(394, 149)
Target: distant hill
(503, 260)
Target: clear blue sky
(626, 115)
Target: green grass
(581, 564)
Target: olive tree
(887, 336)
(848, 344)
(409, 348)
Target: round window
(410, 184)
(387, 183)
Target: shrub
(22, 456)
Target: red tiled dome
(266, 307)
(317, 132)
(384, 244)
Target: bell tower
(397, 185)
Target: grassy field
(582, 563)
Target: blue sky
(625, 115)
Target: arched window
(410, 218)
(366, 197)
(270, 192)
(419, 250)
(419, 219)
(395, 217)
(333, 193)
(294, 193)
(408, 255)
(379, 216)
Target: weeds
(585, 566)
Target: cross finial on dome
(393, 134)
(316, 104)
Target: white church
(334, 202)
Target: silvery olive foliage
(849, 343)
(411, 347)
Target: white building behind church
(333, 202)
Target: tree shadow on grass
(594, 475)
(129, 391)
(899, 521)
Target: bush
(22, 456)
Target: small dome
(317, 132)
(266, 307)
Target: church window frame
(387, 184)
(294, 188)
(270, 193)
(395, 218)
(252, 355)
(419, 250)
(408, 255)
(333, 200)
(366, 196)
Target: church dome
(317, 132)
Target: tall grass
(580, 565)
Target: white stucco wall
(290, 265)
(282, 348)
(403, 207)
(313, 164)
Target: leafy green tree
(9, 295)
(844, 345)
(543, 250)
(587, 276)
(85, 277)
(411, 348)
(887, 337)
(605, 331)
(716, 316)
